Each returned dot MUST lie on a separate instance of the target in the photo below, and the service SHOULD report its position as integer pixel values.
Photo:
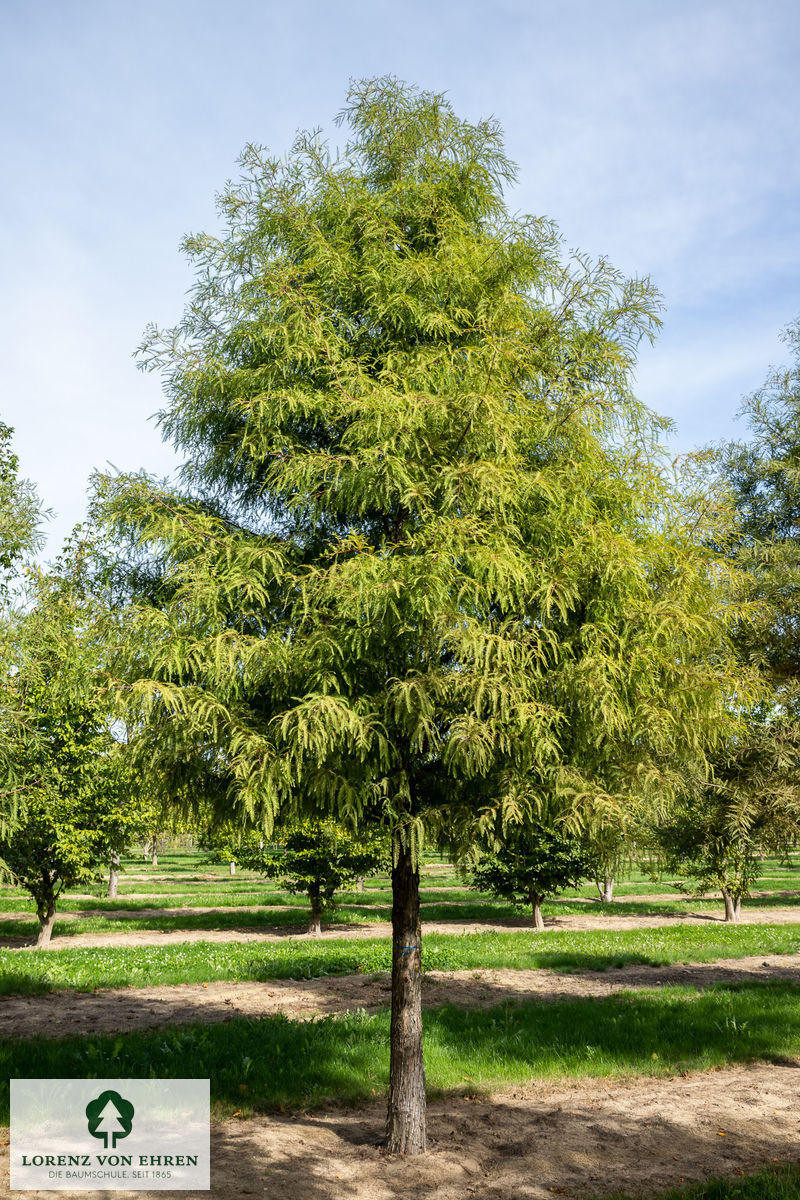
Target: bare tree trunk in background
(732, 908)
(154, 852)
(606, 889)
(113, 875)
(360, 883)
(315, 918)
(536, 908)
(406, 1119)
(232, 867)
(47, 918)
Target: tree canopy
(424, 563)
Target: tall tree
(763, 474)
(424, 565)
(20, 536)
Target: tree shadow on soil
(578, 1143)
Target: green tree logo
(109, 1116)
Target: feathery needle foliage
(426, 567)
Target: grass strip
(275, 1063)
(29, 972)
(440, 906)
(772, 1183)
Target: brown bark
(46, 921)
(113, 876)
(536, 908)
(315, 919)
(406, 1131)
(360, 884)
(733, 907)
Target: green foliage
(426, 564)
(20, 511)
(751, 803)
(72, 776)
(318, 858)
(763, 474)
(534, 861)
(20, 516)
(230, 843)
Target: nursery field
(630, 1048)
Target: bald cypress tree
(424, 570)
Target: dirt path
(574, 1139)
(119, 1010)
(382, 929)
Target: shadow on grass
(272, 1063)
(266, 921)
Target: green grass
(352, 907)
(773, 1183)
(255, 896)
(275, 1063)
(27, 972)
(265, 919)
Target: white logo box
(146, 1135)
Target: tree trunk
(360, 883)
(315, 919)
(406, 1119)
(46, 921)
(606, 889)
(732, 909)
(113, 876)
(536, 907)
(154, 855)
(233, 867)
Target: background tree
(20, 511)
(751, 800)
(425, 569)
(750, 803)
(229, 842)
(607, 847)
(763, 475)
(69, 767)
(20, 518)
(318, 859)
(534, 862)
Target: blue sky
(664, 136)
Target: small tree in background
(230, 843)
(752, 802)
(318, 858)
(535, 861)
(70, 770)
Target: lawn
(202, 962)
(277, 1064)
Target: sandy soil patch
(574, 1139)
(120, 1010)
